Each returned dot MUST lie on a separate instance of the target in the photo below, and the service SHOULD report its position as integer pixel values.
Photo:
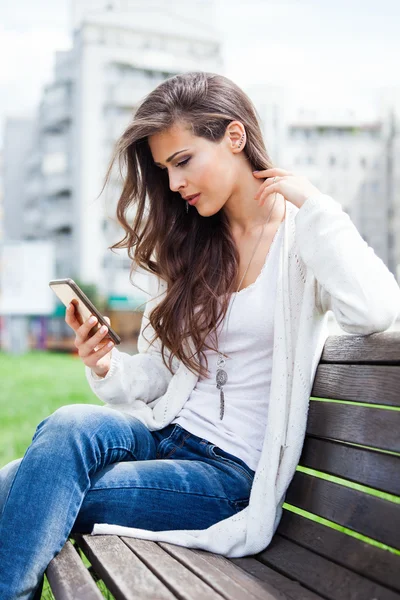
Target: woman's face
(198, 166)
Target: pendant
(221, 379)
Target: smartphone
(67, 291)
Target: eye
(184, 162)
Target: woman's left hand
(294, 188)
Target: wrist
(100, 373)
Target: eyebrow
(172, 156)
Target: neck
(244, 215)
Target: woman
(201, 433)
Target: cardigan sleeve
(351, 280)
(142, 376)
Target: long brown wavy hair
(195, 255)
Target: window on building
(54, 162)
(64, 230)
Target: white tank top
(249, 345)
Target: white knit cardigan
(324, 265)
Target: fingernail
(256, 171)
(92, 320)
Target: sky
(341, 53)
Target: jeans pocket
(228, 459)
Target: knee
(75, 414)
(73, 418)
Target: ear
(236, 136)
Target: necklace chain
(221, 376)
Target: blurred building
(389, 105)
(195, 12)
(18, 140)
(272, 107)
(1, 199)
(118, 56)
(350, 156)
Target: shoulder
(156, 285)
(149, 283)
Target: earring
(187, 206)
(241, 141)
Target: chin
(206, 211)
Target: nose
(176, 181)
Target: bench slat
(261, 589)
(127, 577)
(361, 465)
(176, 576)
(227, 579)
(371, 562)
(68, 577)
(376, 348)
(363, 425)
(293, 590)
(330, 580)
(369, 515)
(377, 384)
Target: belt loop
(175, 429)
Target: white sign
(26, 267)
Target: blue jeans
(91, 464)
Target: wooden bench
(306, 560)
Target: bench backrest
(358, 442)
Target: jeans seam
(153, 489)
(236, 503)
(176, 447)
(231, 463)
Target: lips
(193, 199)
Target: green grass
(34, 385)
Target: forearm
(131, 377)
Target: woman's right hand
(94, 352)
